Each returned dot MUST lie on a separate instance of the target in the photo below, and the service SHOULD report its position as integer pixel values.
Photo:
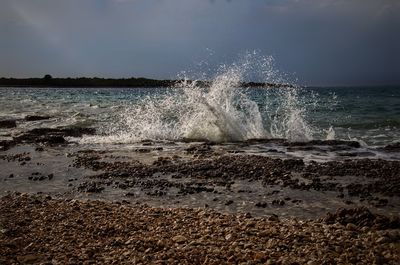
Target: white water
(222, 112)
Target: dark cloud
(330, 41)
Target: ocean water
(370, 115)
(222, 112)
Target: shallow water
(241, 196)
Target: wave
(222, 112)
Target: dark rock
(278, 202)
(395, 147)
(39, 149)
(273, 218)
(8, 123)
(228, 202)
(353, 144)
(362, 217)
(52, 135)
(36, 118)
(261, 204)
(6, 144)
(91, 187)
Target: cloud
(160, 38)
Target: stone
(29, 258)
(8, 124)
(228, 237)
(36, 118)
(179, 239)
(382, 240)
(351, 227)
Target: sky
(319, 42)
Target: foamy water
(222, 112)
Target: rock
(39, 149)
(228, 202)
(29, 258)
(8, 123)
(91, 187)
(179, 239)
(382, 240)
(36, 118)
(278, 202)
(351, 227)
(273, 218)
(6, 144)
(395, 147)
(52, 135)
(361, 217)
(259, 256)
(261, 204)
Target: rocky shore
(42, 230)
(255, 202)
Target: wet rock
(278, 202)
(228, 202)
(36, 118)
(352, 144)
(395, 147)
(6, 144)
(273, 218)
(362, 217)
(91, 187)
(52, 136)
(8, 124)
(261, 204)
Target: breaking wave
(222, 111)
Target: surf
(222, 111)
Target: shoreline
(84, 82)
(195, 202)
(261, 177)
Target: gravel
(42, 230)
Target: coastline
(50, 82)
(268, 201)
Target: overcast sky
(330, 42)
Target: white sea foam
(221, 112)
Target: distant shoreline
(50, 82)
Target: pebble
(179, 239)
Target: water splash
(220, 112)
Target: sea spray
(287, 117)
(223, 111)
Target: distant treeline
(49, 81)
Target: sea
(190, 122)
(223, 112)
(370, 115)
